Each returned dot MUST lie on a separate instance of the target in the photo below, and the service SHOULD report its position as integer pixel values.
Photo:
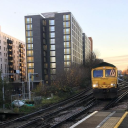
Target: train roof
(104, 64)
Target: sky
(106, 21)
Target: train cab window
(98, 73)
(110, 73)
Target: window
(4, 54)
(67, 57)
(66, 31)
(29, 46)
(29, 40)
(4, 48)
(52, 53)
(0, 47)
(29, 53)
(52, 59)
(45, 47)
(52, 35)
(67, 51)
(45, 65)
(0, 53)
(28, 20)
(67, 44)
(52, 47)
(67, 64)
(46, 77)
(66, 17)
(98, 73)
(29, 33)
(0, 59)
(30, 65)
(0, 41)
(51, 22)
(44, 22)
(53, 71)
(29, 27)
(52, 28)
(66, 37)
(1, 66)
(66, 24)
(30, 59)
(52, 41)
(110, 72)
(53, 65)
(30, 70)
(45, 71)
(4, 43)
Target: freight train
(104, 80)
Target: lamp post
(29, 91)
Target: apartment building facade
(12, 57)
(53, 43)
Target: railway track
(35, 115)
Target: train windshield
(110, 73)
(98, 73)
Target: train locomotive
(104, 80)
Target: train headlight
(112, 84)
(95, 85)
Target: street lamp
(29, 74)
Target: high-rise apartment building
(53, 43)
(12, 57)
(87, 48)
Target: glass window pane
(66, 37)
(30, 53)
(66, 31)
(29, 40)
(45, 65)
(66, 24)
(67, 57)
(30, 65)
(67, 44)
(45, 47)
(28, 20)
(67, 51)
(29, 33)
(29, 27)
(52, 41)
(46, 77)
(53, 77)
(66, 17)
(52, 47)
(52, 71)
(67, 64)
(98, 73)
(52, 28)
(110, 72)
(52, 53)
(30, 70)
(52, 35)
(51, 22)
(53, 65)
(52, 59)
(29, 46)
(30, 59)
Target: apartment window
(30, 65)
(52, 28)
(4, 43)
(30, 70)
(0, 59)
(29, 33)
(29, 27)
(29, 53)
(66, 37)
(67, 51)
(66, 17)
(52, 35)
(29, 40)
(52, 71)
(0, 53)
(0, 41)
(46, 77)
(29, 46)
(52, 53)
(45, 65)
(52, 47)
(45, 71)
(52, 41)
(0, 47)
(43, 35)
(44, 22)
(67, 64)
(66, 24)
(66, 31)
(4, 48)
(44, 29)
(67, 57)
(52, 59)
(67, 44)
(53, 77)
(30, 59)
(52, 65)
(4, 54)
(1, 66)
(45, 47)
(28, 20)
(51, 22)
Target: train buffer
(104, 119)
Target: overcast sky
(106, 21)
